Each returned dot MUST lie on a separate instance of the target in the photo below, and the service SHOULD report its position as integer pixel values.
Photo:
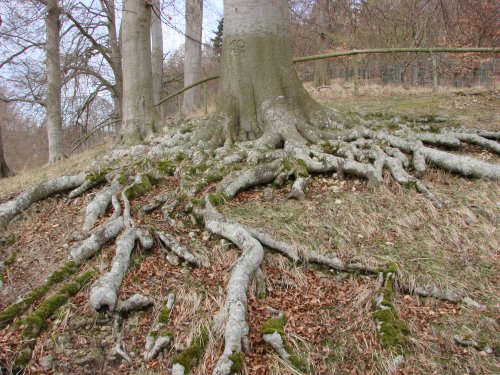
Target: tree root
(18, 308)
(134, 302)
(179, 250)
(236, 331)
(35, 322)
(12, 208)
(481, 346)
(158, 337)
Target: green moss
(97, 176)
(302, 168)
(140, 188)
(180, 156)
(328, 148)
(181, 197)
(122, 179)
(13, 311)
(36, 321)
(274, 325)
(189, 358)
(164, 315)
(198, 202)
(213, 178)
(411, 185)
(166, 167)
(296, 362)
(11, 259)
(237, 365)
(392, 331)
(287, 165)
(217, 199)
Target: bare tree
(157, 51)
(4, 168)
(140, 117)
(192, 55)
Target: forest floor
(329, 321)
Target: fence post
(356, 76)
(434, 74)
(205, 98)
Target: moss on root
(217, 199)
(190, 357)
(36, 321)
(277, 325)
(97, 176)
(237, 362)
(393, 332)
(166, 167)
(164, 315)
(17, 309)
(140, 188)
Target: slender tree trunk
(157, 50)
(192, 55)
(140, 117)
(53, 102)
(116, 56)
(321, 77)
(260, 94)
(4, 168)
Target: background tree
(4, 168)
(140, 117)
(157, 51)
(192, 54)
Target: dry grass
(74, 164)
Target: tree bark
(157, 51)
(260, 94)
(54, 120)
(140, 117)
(321, 77)
(115, 55)
(192, 55)
(4, 168)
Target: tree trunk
(157, 50)
(4, 168)
(108, 7)
(192, 55)
(321, 77)
(260, 94)
(53, 102)
(140, 117)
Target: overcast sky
(174, 23)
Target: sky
(174, 23)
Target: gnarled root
(179, 250)
(236, 330)
(12, 208)
(158, 337)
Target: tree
(4, 168)
(157, 51)
(192, 54)
(217, 39)
(266, 129)
(53, 100)
(321, 75)
(140, 117)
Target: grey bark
(53, 102)
(140, 117)
(157, 50)
(4, 168)
(321, 77)
(192, 54)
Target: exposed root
(481, 346)
(97, 207)
(260, 284)
(158, 337)
(104, 292)
(179, 250)
(18, 308)
(99, 237)
(273, 333)
(449, 295)
(118, 348)
(35, 322)
(12, 208)
(299, 188)
(236, 331)
(185, 361)
(134, 302)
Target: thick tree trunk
(321, 77)
(4, 168)
(157, 50)
(260, 95)
(140, 117)
(192, 55)
(53, 102)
